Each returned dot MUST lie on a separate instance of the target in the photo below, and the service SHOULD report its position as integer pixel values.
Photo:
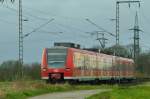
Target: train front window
(56, 57)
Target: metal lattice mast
(136, 30)
(136, 38)
(20, 30)
(117, 23)
(20, 34)
(118, 17)
(102, 40)
(100, 37)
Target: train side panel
(90, 65)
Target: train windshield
(57, 57)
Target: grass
(25, 89)
(136, 92)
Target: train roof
(89, 52)
(92, 52)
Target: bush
(11, 70)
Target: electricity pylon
(136, 30)
(118, 16)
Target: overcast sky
(69, 18)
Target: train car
(71, 64)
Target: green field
(136, 92)
(25, 89)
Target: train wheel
(72, 82)
(47, 81)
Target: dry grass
(18, 86)
(24, 89)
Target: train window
(94, 62)
(75, 59)
(78, 60)
(56, 57)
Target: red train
(65, 63)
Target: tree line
(10, 71)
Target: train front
(53, 66)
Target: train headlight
(67, 69)
(44, 69)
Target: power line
(101, 28)
(40, 30)
(34, 30)
(42, 12)
(12, 1)
(26, 13)
(72, 27)
(41, 18)
(14, 10)
(54, 15)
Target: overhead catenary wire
(101, 28)
(26, 13)
(27, 26)
(68, 26)
(34, 30)
(45, 13)
(42, 12)
(53, 15)
(14, 10)
(10, 0)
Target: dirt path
(70, 95)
